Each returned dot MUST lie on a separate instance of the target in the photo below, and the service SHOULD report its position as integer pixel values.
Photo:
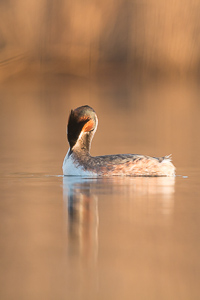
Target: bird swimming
(82, 125)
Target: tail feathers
(168, 157)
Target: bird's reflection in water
(82, 215)
(141, 195)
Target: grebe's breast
(117, 165)
(74, 166)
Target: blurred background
(85, 38)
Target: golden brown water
(112, 238)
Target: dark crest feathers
(74, 128)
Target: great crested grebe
(82, 125)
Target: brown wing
(125, 164)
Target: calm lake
(104, 238)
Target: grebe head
(82, 125)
